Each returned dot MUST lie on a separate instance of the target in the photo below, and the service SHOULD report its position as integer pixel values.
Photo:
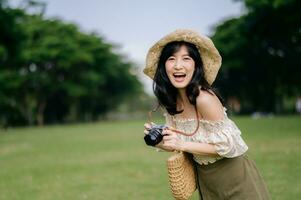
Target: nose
(178, 64)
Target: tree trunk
(40, 114)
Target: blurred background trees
(52, 72)
(261, 55)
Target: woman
(183, 66)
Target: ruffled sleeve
(225, 136)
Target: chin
(180, 85)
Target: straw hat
(209, 54)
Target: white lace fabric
(223, 134)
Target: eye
(187, 58)
(171, 58)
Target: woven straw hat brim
(209, 54)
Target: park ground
(109, 160)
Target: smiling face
(179, 68)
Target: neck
(182, 97)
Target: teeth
(179, 74)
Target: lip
(179, 77)
(176, 75)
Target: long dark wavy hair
(166, 93)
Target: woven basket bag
(182, 177)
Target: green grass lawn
(109, 160)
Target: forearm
(199, 148)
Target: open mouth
(179, 77)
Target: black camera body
(154, 135)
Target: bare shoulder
(209, 106)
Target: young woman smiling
(183, 65)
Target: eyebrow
(182, 55)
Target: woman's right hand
(147, 127)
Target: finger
(168, 132)
(147, 126)
(168, 145)
(169, 137)
(161, 145)
(171, 128)
(164, 147)
(145, 132)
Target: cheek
(168, 69)
(191, 68)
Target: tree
(260, 51)
(59, 73)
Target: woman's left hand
(171, 141)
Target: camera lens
(154, 137)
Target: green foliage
(259, 4)
(53, 72)
(261, 54)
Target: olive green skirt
(231, 178)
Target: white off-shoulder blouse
(223, 134)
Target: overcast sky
(135, 25)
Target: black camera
(154, 135)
